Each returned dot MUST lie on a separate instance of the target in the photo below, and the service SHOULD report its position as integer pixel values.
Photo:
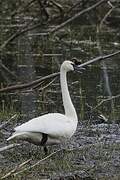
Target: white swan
(52, 128)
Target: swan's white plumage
(56, 126)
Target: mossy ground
(92, 153)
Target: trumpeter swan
(52, 128)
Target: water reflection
(41, 56)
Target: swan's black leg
(45, 150)
(44, 139)
(43, 142)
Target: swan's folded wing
(54, 124)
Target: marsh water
(93, 152)
(39, 56)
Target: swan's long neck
(68, 105)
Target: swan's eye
(76, 61)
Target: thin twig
(42, 6)
(37, 163)
(17, 34)
(7, 70)
(22, 9)
(59, 6)
(105, 100)
(14, 173)
(8, 121)
(70, 9)
(43, 87)
(46, 86)
(50, 155)
(15, 169)
(106, 16)
(99, 58)
(10, 146)
(110, 4)
(39, 84)
(77, 15)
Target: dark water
(32, 56)
(36, 56)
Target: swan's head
(72, 65)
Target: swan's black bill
(78, 69)
(76, 63)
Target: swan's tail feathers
(16, 135)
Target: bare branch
(17, 34)
(43, 9)
(110, 4)
(50, 155)
(99, 58)
(44, 87)
(22, 9)
(10, 146)
(77, 15)
(4, 124)
(28, 85)
(33, 83)
(106, 16)
(14, 173)
(15, 169)
(59, 6)
(38, 162)
(7, 70)
(105, 100)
